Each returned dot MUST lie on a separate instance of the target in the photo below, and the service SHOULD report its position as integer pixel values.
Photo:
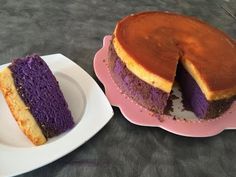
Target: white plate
(90, 109)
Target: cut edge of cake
(211, 95)
(19, 110)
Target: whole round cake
(150, 50)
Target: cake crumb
(160, 118)
(152, 114)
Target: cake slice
(150, 46)
(35, 99)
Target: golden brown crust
(19, 110)
(136, 68)
(152, 43)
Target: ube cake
(150, 50)
(35, 99)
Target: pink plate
(140, 116)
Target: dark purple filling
(144, 94)
(193, 97)
(192, 94)
(39, 90)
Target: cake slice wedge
(35, 99)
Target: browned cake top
(151, 43)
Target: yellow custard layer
(20, 111)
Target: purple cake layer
(39, 90)
(144, 94)
(196, 100)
